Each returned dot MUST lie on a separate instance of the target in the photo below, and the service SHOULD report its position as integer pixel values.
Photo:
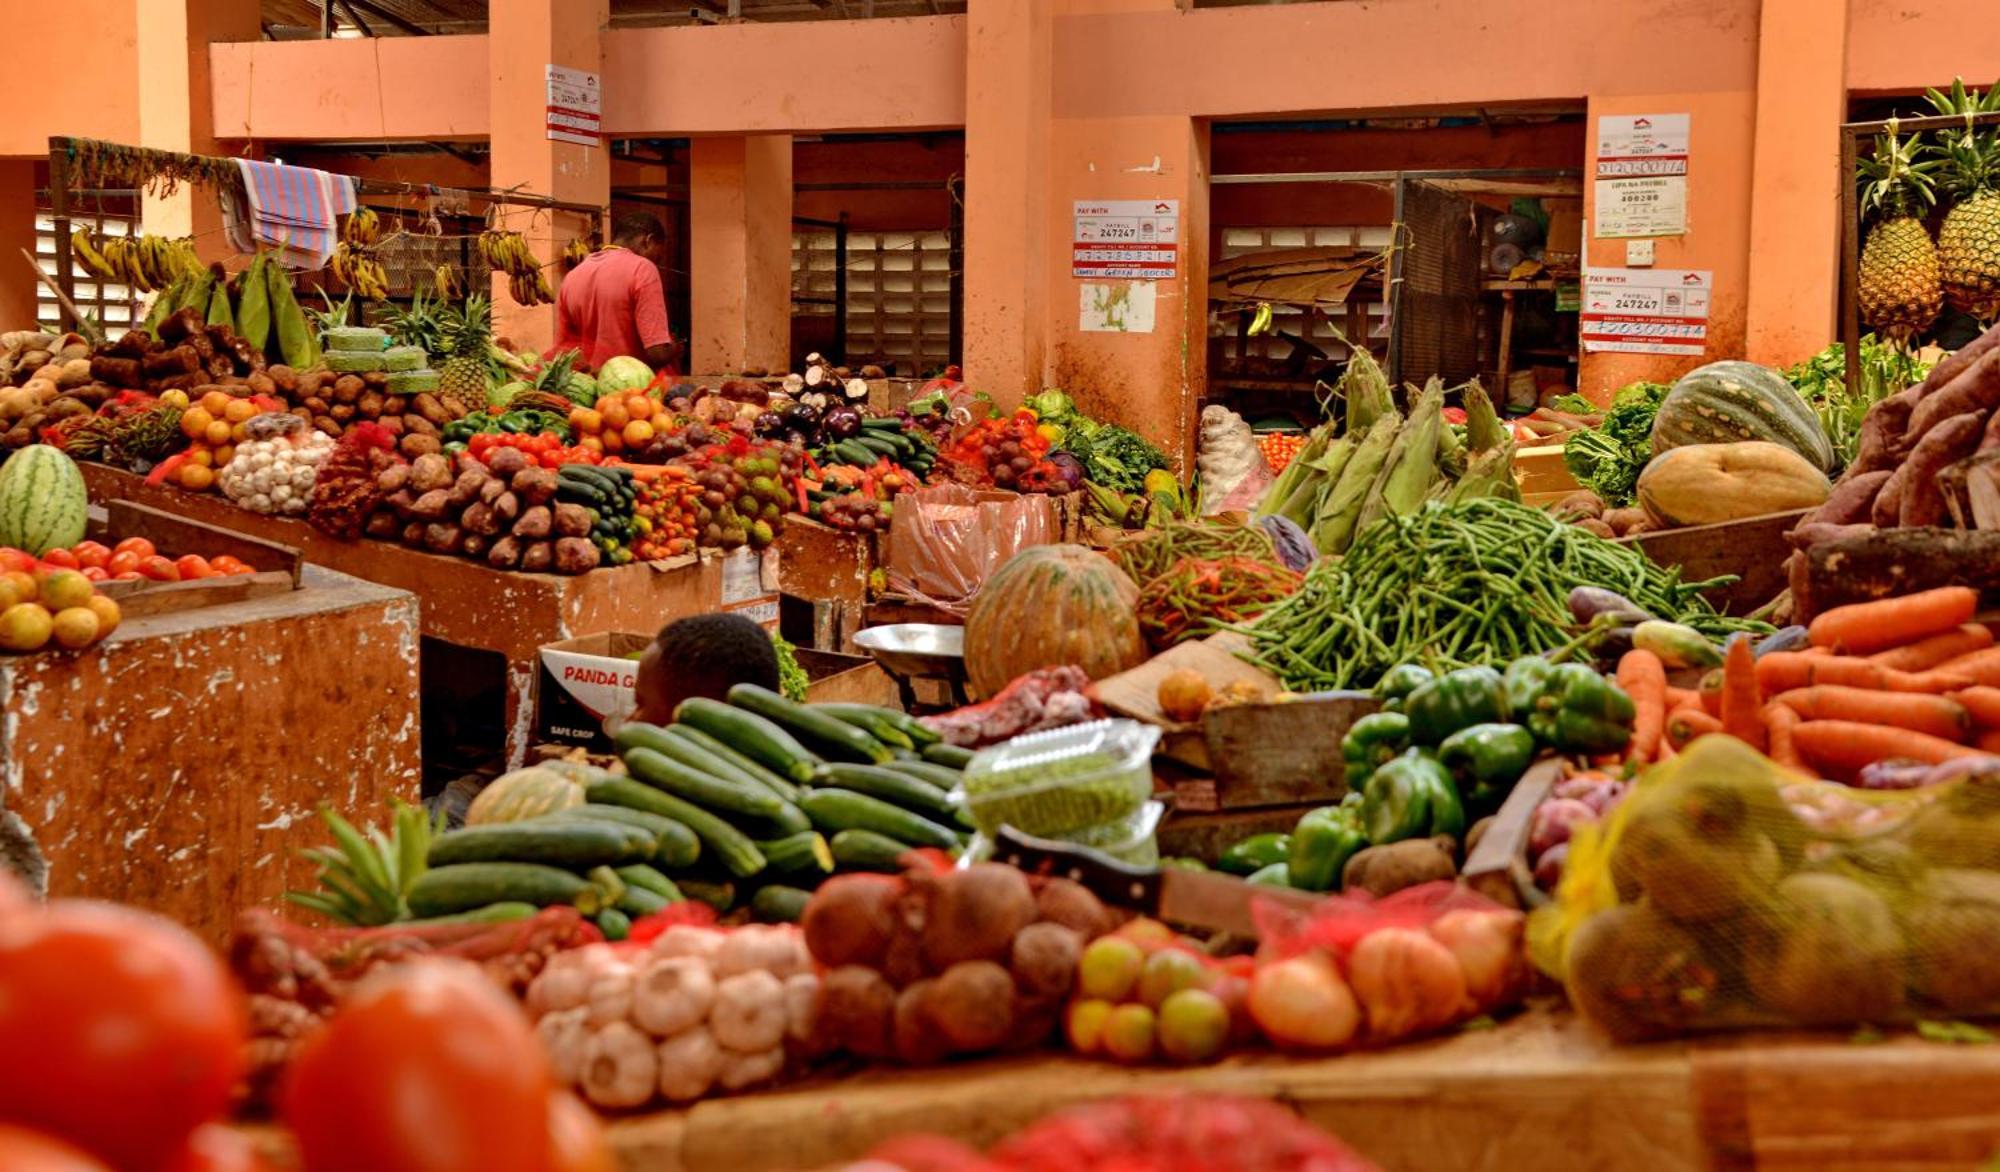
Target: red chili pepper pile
(1195, 595)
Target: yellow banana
(1262, 321)
(86, 251)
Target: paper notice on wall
(1641, 178)
(1646, 311)
(1122, 308)
(1128, 239)
(575, 106)
(1642, 144)
(1651, 206)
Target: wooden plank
(183, 535)
(1274, 754)
(1136, 693)
(1753, 548)
(1540, 470)
(1498, 866)
(151, 598)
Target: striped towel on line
(289, 209)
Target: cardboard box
(1563, 250)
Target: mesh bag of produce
(1725, 892)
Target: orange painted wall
(93, 94)
(365, 89)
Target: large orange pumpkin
(1048, 606)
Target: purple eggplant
(1586, 603)
(770, 423)
(840, 422)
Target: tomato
(479, 442)
(15, 559)
(137, 546)
(576, 1137)
(91, 553)
(550, 460)
(217, 1147)
(192, 566)
(61, 559)
(117, 1007)
(433, 1033)
(128, 576)
(160, 569)
(224, 563)
(95, 573)
(121, 562)
(22, 1150)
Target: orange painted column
(176, 108)
(740, 253)
(1008, 125)
(1795, 178)
(17, 231)
(526, 37)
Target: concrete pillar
(740, 253)
(17, 231)
(1795, 178)
(1008, 126)
(176, 109)
(524, 38)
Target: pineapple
(421, 324)
(1969, 239)
(1898, 288)
(464, 377)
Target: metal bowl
(916, 649)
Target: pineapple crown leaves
(1897, 180)
(1969, 157)
(555, 376)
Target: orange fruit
(25, 626)
(590, 442)
(215, 403)
(196, 477)
(239, 433)
(224, 454)
(22, 584)
(62, 589)
(174, 398)
(638, 433)
(584, 421)
(195, 421)
(217, 432)
(108, 614)
(239, 410)
(199, 454)
(74, 628)
(640, 407)
(613, 442)
(614, 413)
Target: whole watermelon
(42, 500)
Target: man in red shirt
(613, 304)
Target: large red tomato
(22, 1150)
(116, 1007)
(576, 1137)
(427, 1068)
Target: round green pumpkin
(1730, 402)
(1050, 606)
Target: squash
(523, 794)
(1702, 484)
(1728, 402)
(1048, 606)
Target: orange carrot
(1925, 654)
(1866, 627)
(1782, 671)
(1687, 724)
(1682, 697)
(1817, 651)
(1667, 752)
(1781, 720)
(1938, 716)
(1983, 703)
(1981, 667)
(1740, 699)
(1644, 678)
(1711, 693)
(1839, 748)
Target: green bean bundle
(1480, 581)
(1146, 558)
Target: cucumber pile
(609, 492)
(749, 803)
(879, 438)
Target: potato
(431, 471)
(312, 403)
(392, 425)
(343, 412)
(1384, 870)
(394, 405)
(1581, 503)
(1622, 520)
(418, 425)
(432, 505)
(283, 377)
(430, 407)
(376, 379)
(393, 478)
(1593, 525)
(370, 405)
(347, 388)
(383, 524)
(261, 383)
(415, 446)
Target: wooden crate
(1498, 867)
(1543, 475)
(276, 565)
(847, 679)
(1753, 548)
(1282, 753)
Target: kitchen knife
(1196, 899)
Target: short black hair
(708, 653)
(636, 226)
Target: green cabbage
(623, 373)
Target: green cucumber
(843, 809)
(678, 845)
(881, 782)
(939, 776)
(686, 751)
(615, 925)
(855, 452)
(581, 492)
(462, 887)
(824, 733)
(711, 793)
(882, 423)
(637, 901)
(751, 769)
(778, 904)
(804, 852)
(718, 894)
(789, 820)
(870, 720)
(576, 844)
(504, 912)
(718, 837)
(949, 756)
(865, 850)
(920, 734)
(749, 734)
(643, 878)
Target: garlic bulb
(276, 475)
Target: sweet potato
(1955, 363)
(465, 489)
(534, 524)
(1950, 441)
(1976, 389)
(383, 524)
(492, 490)
(432, 505)
(415, 446)
(442, 537)
(283, 377)
(474, 545)
(535, 486)
(393, 425)
(417, 425)
(480, 518)
(507, 462)
(504, 554)
(1882, 431)
(537, 557)
(571, 520)
(1888, 506)
(413, 534)
(507, 507)
(431, 471)
(1852, 499)
(1991, 439)
(575, 555)
(393, 478)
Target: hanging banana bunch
(145, 262)
(576, 251)
(359, 272)
(362, 229)
(508, 252)
(449, 287)
(1261, 322)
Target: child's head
(704, 655)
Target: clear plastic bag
(945, 540)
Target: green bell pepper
(1524, 679)
(1322, 842)
(1395, 686)
(1455, 700)
(1275, 875)
(1486, 760)
(1578, 711)
(1410, 797)
(1254, 853)
(1372, 742)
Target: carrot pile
(1909, 678)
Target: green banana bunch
(366, 880)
